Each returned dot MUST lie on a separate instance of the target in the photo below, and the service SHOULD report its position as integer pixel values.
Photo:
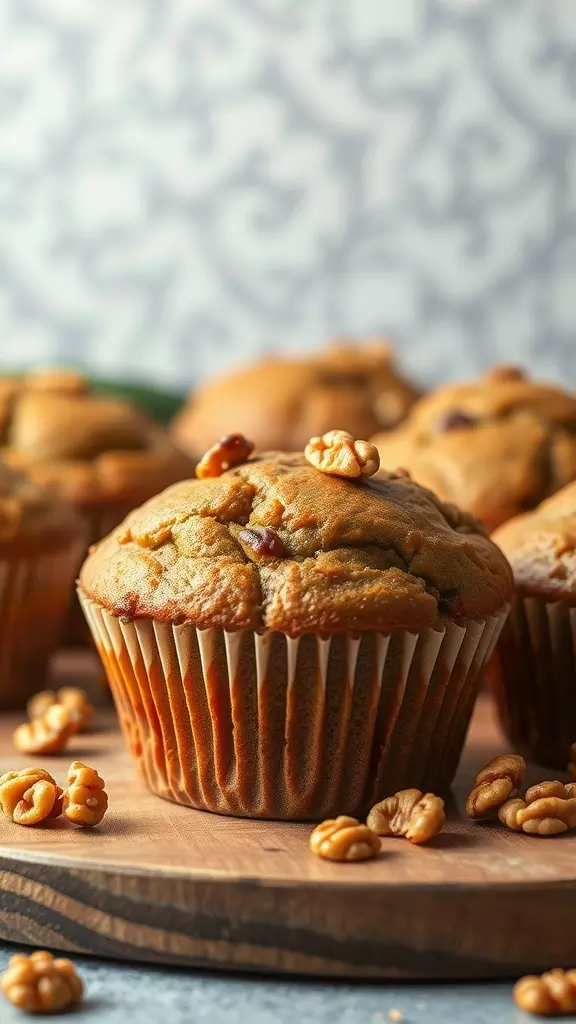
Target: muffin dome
(541, 546)
(276, 544)
(87, 448)
(31, 518)
(281, 403)
(497, 447)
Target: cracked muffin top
(541, 546)
(279, 403)
(31, 518)
(275, 543)
(497, 447)
(87, 448)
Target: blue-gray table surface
(116, 993)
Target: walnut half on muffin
(281, 402)
(312, 638)
(497, 447)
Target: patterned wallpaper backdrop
(185, 184)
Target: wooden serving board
(161, 883)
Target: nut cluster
(73, 698)
(410, 813)
(495, 784)
(549, 995)
(231, 450)
(417, 816)
(32, 796)
(337, 453)
(40, 984)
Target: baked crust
(31, 519)
(496, 447)
(378, 553)
(281, 403)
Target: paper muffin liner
(35, 594)
(267, 726)
(533, 679)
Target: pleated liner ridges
(533, 679)
(266, 726)
(35, 594)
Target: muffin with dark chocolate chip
(281, 402)
(533, 673)
(287, 641)
(41, 543)
(496, 447)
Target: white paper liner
(534, 681)
(271, 726)
(35, 593)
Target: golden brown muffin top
(32, 518)
(541, 546)
(496, 447)
(87, 448)
(276, 544)
(279, 403)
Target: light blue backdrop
(184, 183)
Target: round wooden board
(165, 884)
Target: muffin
(496, 447)
(280, 403)
(100, 454)
(533, 674)
(285, 643)
(41, 544)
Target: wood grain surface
(162, 883)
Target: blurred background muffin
(497, 446)
(279, 403)
(101, 454)
(41, 544)
(533, 675)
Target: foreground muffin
(41, 543)
(280, 403)
(533, 674)
(100, 454)
(284, 643)
(497, 447)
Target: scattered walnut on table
(546, 816)
(71, 697)
(546, 789)
(231, 450)
(417, 816)
(46, 735)
(337, 453)
(85, 800)
(30, 796)
(40, 984)
(551, 994)
(344, 839)
(495, 784)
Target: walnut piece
(546, 816)
(85, 801)
(417, 816)
(549, 995)
(46, 735)
(344, 839)
(495, 784)
(339, 454)
(553, 788)
(40, 984)
(30, 796)
(72, 697)
(231, 450)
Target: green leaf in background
(161, 405)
